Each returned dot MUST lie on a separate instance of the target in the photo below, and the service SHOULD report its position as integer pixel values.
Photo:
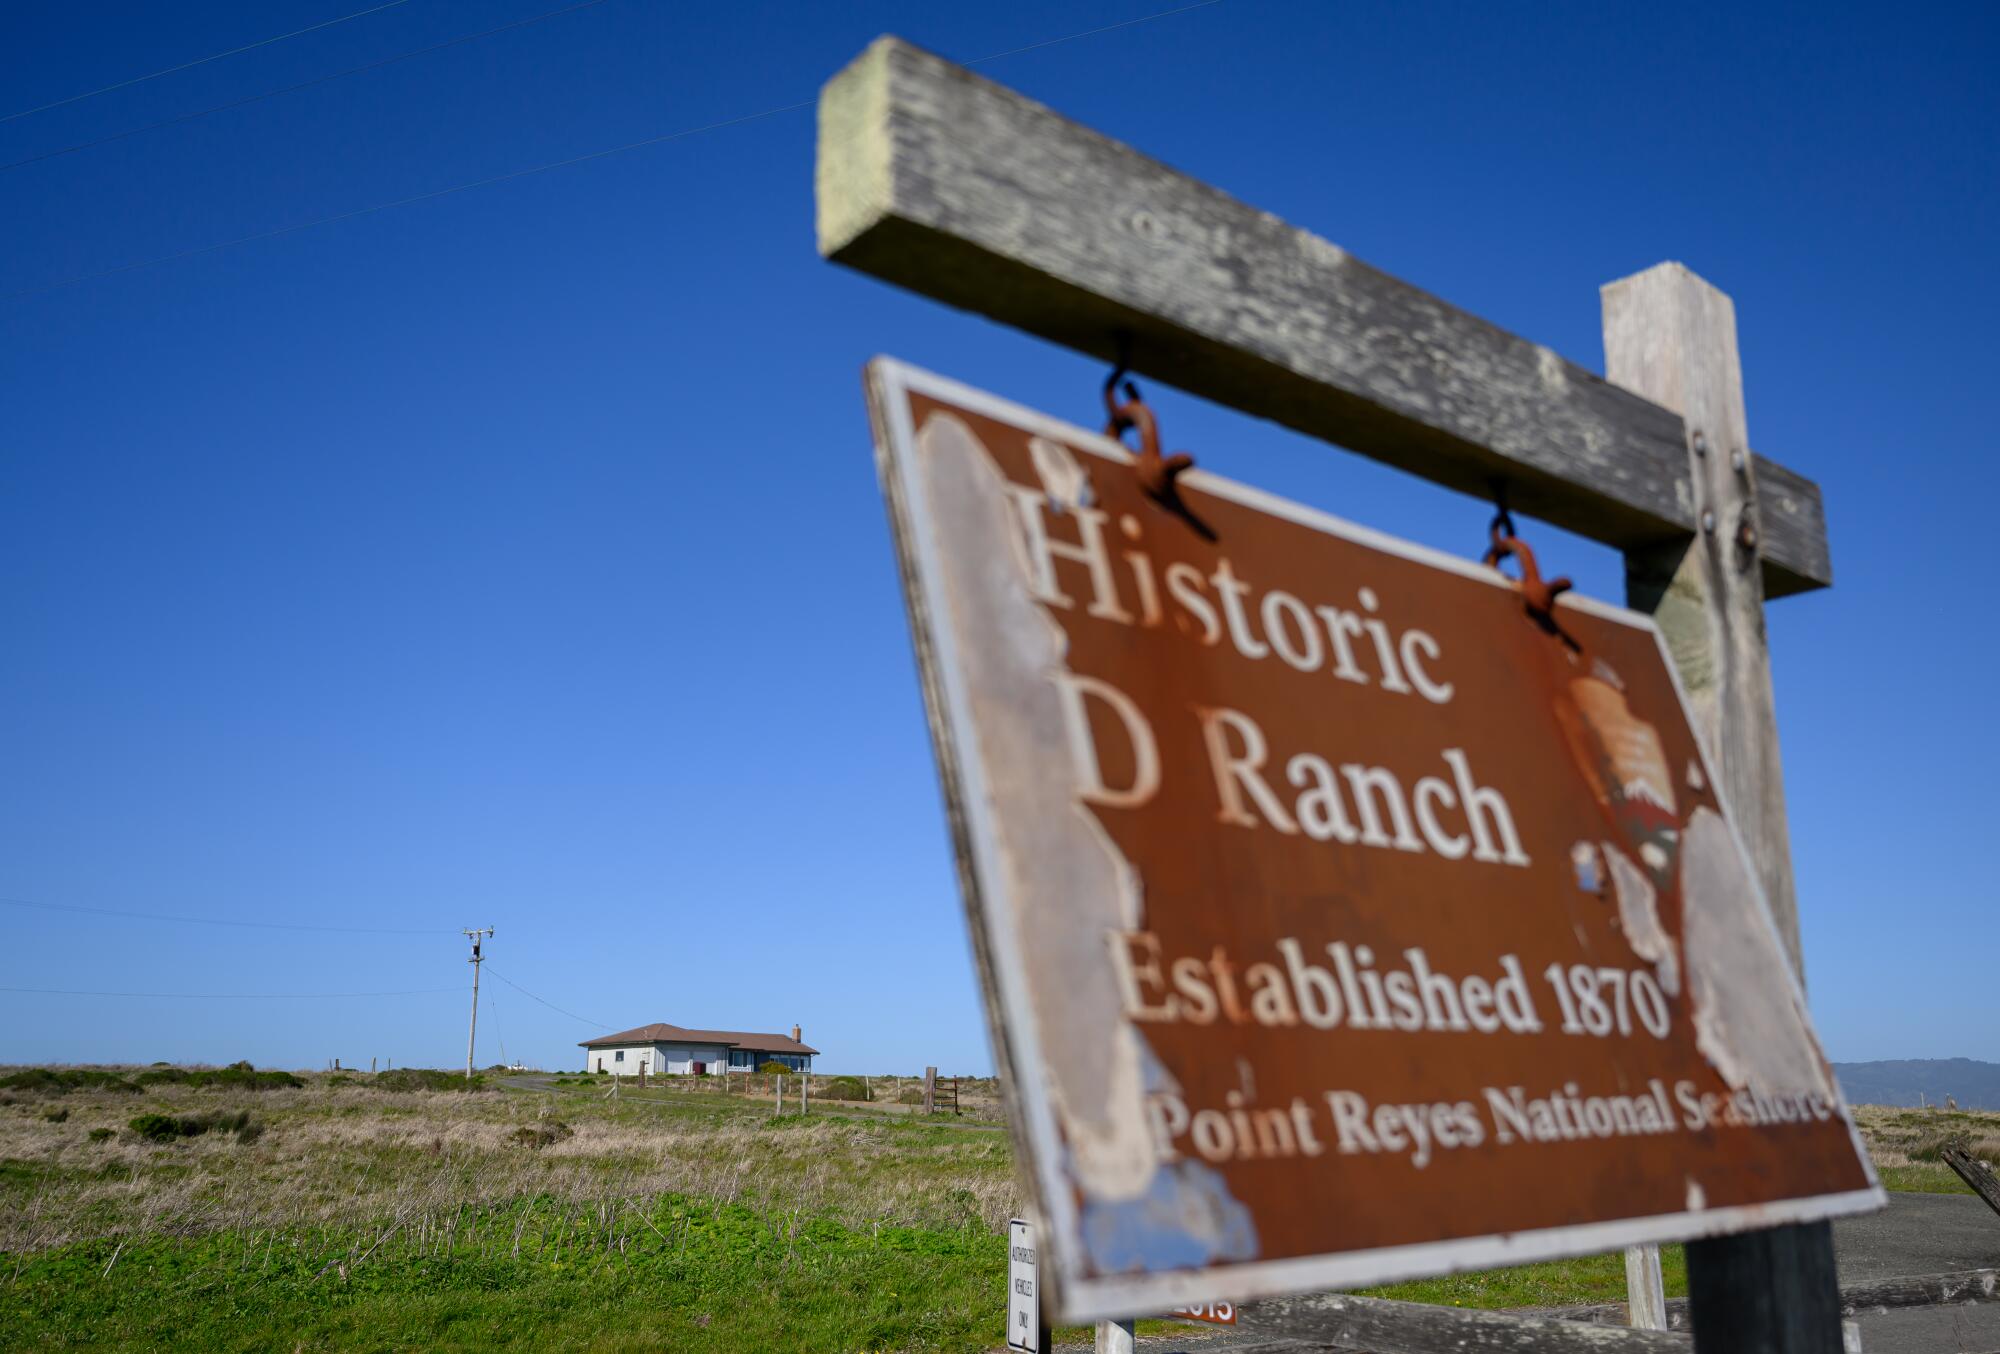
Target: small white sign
(1214, 1313)
(1024, 1324)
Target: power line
(540, 169)
(293, 89)
(225, 921)
(202, 61)
(532, 997)
(234, 996)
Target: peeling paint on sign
(1338, 923)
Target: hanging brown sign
(1339, 922)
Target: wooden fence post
(1975, 1173)
(1671, 337)
(930, 1090)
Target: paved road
(1916, 1234)
(1924, 1234)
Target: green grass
(399, 1213)
(1922, 1177)
(546, 1273)
(1552, 1283)
(542, 1273)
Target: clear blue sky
(515, 557)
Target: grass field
(1904, 1144)
(358, 1212)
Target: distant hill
(1902, 1081)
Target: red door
(700, 1068)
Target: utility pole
(472, 1031)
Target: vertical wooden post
(778, 1095)
(930, 1090)
(1645, 1289)
(1115, 1337)
(1671, 337)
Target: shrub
(1931, 1146)
(910, 1097)
(774, 1068)
(239, 1076)
(171, 1127)
(34, 1079)
(244, 1077)
(55, 1115)
(69, 1079)
(543, 1134)
(100, 1134)
(845, 1088)
(423, 1079)
(157, 1127)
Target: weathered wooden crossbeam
(947, 184)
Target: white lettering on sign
(1024, 1319)
(1354, 645)
(1214, 1313)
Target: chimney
(795, 1035)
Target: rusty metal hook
(1538, 596)
(1156, 473)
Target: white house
(669, 1049)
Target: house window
(742, 1058)
(619, 1056)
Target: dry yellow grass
(1904, 1144)
(350, 1154)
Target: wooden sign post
(945, 183)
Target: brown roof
(658, 1033)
